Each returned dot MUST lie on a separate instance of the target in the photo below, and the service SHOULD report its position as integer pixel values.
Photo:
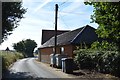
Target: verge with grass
(8, 58)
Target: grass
(8, 58)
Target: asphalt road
(30, 68)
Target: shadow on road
(19, 76)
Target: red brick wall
(68, 49)
(45, 52)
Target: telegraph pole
(56, 14)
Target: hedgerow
(101, 61)
(103, 57)
(8, 58)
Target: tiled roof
(73, 37)
(47, 34)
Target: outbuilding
(67, 42)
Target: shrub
(84, 60)
(101, 61)
(104, 45)
(8, 58)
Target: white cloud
(32, 21)
(73, 6)
(42, 5)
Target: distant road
(28, 67)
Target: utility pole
(56, 13)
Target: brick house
(67, 42)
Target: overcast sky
(40, 14)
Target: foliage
(102, 61)
(12, 13)
(104, 45)
(8, 58)
(83, 59)
(7, 49)
(106, 15)
(26, 47)
(36, 51)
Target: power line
(71, 12)
(63, 20)
(63, 3)
(67, 12)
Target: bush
(84, 60)
(101, 61)
(104, 45)
(8, 58)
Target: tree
(12, 13)
(7, 49)
(36, 51)
(26, 47)
(107, 16)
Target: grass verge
(8, 58)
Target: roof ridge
(63, 33)
(54, 30)
(67, 37)
(69, 31)
(79, 33)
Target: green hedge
(101, 61)
(8, 58)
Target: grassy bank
(8, 58)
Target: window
(53, 50)
(62, 50)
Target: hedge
(101, 61)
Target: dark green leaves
(12, 13)
(107, 16)
(26, 47)
(101, 61)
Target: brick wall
(68, 49)
(45, 52)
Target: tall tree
(107, 15)
(26, 47)
(12, 13)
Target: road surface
(30, 68)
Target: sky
(72, 14)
